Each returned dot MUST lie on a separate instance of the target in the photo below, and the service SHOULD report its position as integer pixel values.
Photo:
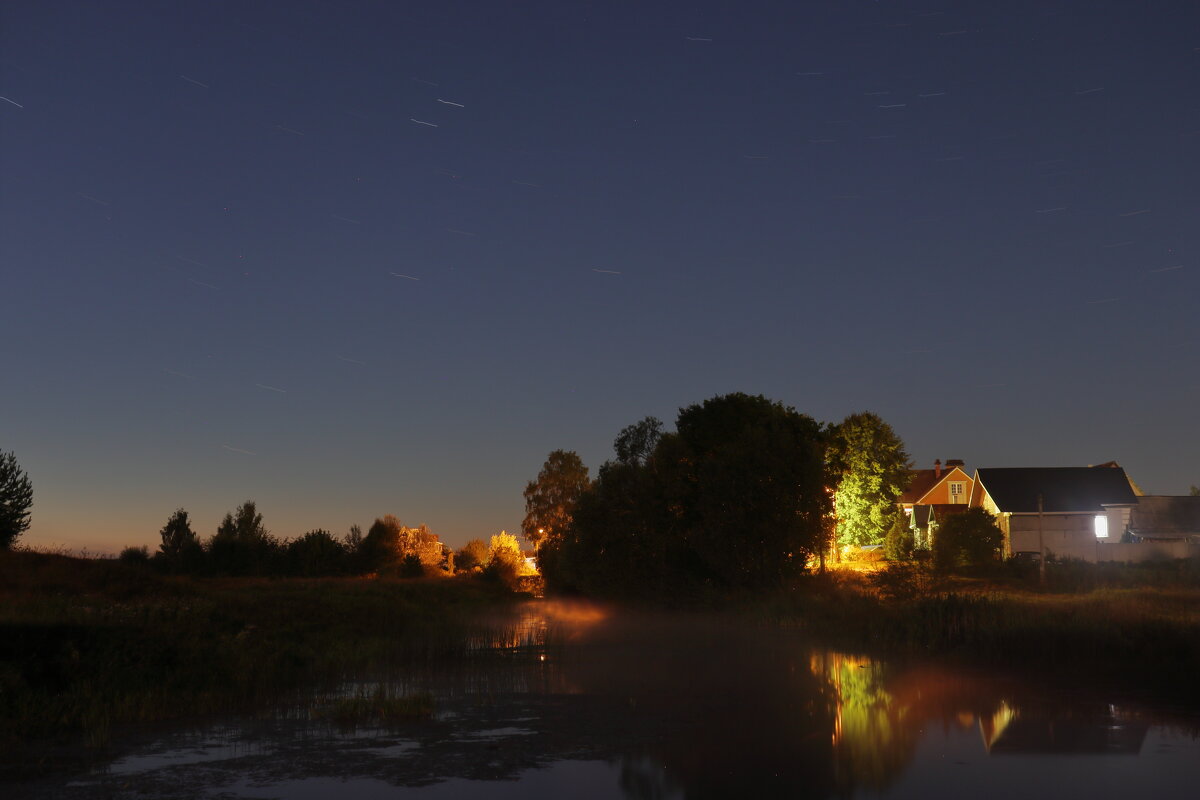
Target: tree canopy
(733, 498)
(969, 538)
(550, 499)
(868, 468)
(16, 498)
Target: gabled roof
(1165, 515)
(1015, 490)
(923, 482)
(920, 516)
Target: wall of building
(1074, 536)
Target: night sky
(349, 259)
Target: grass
(1105, 625)
(380, 706)
(86, 645)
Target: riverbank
(86, 644)
(1144, 634)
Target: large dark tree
(869, 469)
(550, 499)
(16, 498)
(734, 498)
(751, 488)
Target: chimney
(937, 468)
(955, 462)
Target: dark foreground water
(567, 701)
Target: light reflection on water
(567, 700)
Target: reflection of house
(1158, 518)
(1082, 508)
(1099, 730)
(937, 486)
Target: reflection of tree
(874, 733)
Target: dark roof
(1159, 514)
(942, 510)
(1015, 490)
(921, 516)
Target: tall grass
(85, 645)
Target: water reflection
(561, 698)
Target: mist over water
(574, 699)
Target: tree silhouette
(550, 499)
(16, 498)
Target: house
(937, 486)
(1162, 518)
(1076, 511)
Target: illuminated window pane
(1101, 526)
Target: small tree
(241, 545)
(180, 550)
(473, 554)
(16, 498)
(504, 559)
(316, 553)
(969, 538)
(899, 544)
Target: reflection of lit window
(1101, 526)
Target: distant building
(1082, 508)
(1163, 518)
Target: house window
(957, 494)
(1101, 526)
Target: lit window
(1101, 526)
(956, 492)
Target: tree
(241, 545)
(473, 554)
(180, 550)
(749, 488)
(969, 538)
(1194, 491)
(636, 442)
(316, 553)
(16, 498)
(550, 499)
(900, 542)
(868, 469)
(135, 556)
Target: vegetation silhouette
(733, 499)
(16, 498)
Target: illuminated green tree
(550, 499)
(16, 498)
(900, 543)
(868, 469)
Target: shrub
(899, 543)
(971, 538)
(135, 555)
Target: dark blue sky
(240, 261)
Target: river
(568, 700)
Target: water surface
(566, 700)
